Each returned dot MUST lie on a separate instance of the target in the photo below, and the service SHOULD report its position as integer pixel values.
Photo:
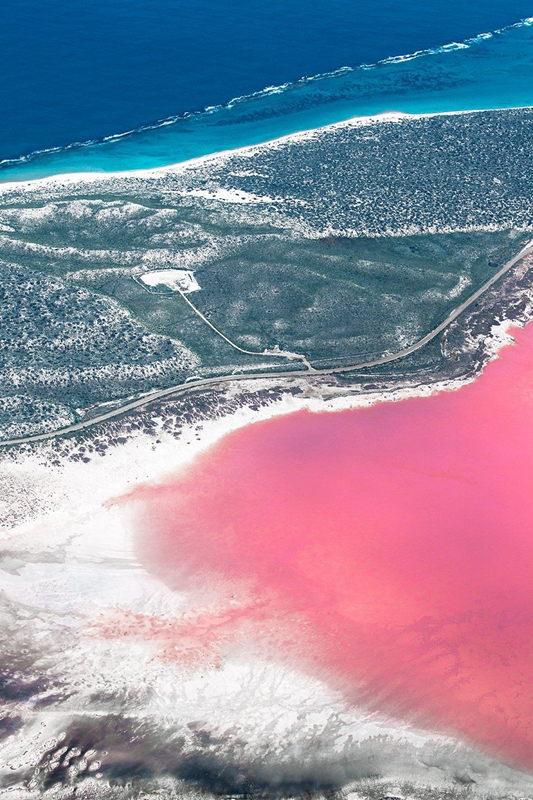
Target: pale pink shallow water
(397, 541)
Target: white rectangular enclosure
(175, 279)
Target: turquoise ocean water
(491, 70)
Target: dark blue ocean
(87, 69)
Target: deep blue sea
(84, 70)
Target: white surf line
(272, 90)
(201, 383)
(276, 352)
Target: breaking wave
(276, 110)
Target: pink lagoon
(389, 550)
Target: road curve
(201, 383)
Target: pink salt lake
(392, 545)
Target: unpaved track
(201, 383)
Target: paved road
(201, 383)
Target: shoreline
(281, 375)
(268, 91)
(137, 455)
(79, 498)
(205, 428)
(75, 492)
(60, 178)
